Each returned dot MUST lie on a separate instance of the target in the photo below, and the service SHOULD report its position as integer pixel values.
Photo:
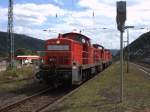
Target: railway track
(143, 68)
(38, 101)
(41, 100)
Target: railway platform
(102, 93)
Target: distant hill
(140, 49)
(21, 41)
(114, 51)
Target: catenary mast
(10, 34)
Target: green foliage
(20, 41)
(15, 74)
(23, 51)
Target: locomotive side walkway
(101, 94)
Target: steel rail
(9, 107)
(142, 68)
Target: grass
(16, 75)
(101, 94)
(9, 87)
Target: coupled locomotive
(72, 58)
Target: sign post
(121, 18)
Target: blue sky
(31, 17)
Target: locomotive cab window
(83, 41)
(58, 47)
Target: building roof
(28, 57)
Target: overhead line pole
(10, 34)
(128, 50)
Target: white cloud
(139, 13)
(36, 32)
(30, 18)
(37, 14)
(105, 15)
(3, 14)
(31, 13)
(99, 8)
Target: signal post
(120, 19)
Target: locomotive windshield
(58, 47)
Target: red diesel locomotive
(72, 58)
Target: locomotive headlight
(74, 67)
(36, 67)
(51, 59)
(57, 42)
